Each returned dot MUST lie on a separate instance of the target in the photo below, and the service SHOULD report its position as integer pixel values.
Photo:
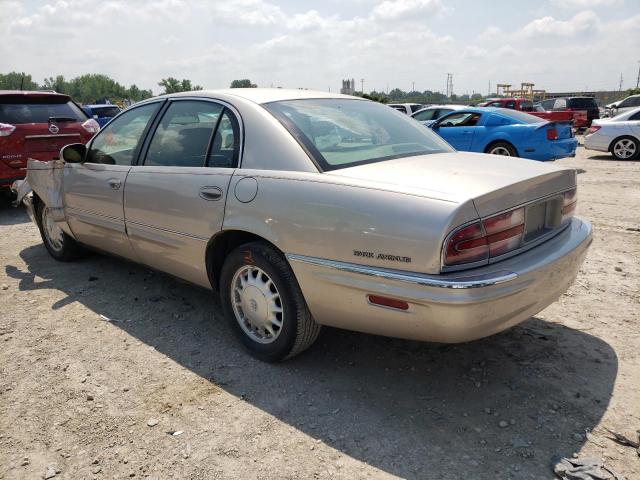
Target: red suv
(37, 125)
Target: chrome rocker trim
(478, 281)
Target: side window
(526, 106)
(625, 103)
(226, 143)
(635, 116)
(548, 104)
(463, 119)
(116, 144)
(560, 104)
(495, 104)
(635, 101)
(442, 112)
(183, 135)
(510, 104)
(425, 115)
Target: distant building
(348, 87)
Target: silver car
(306, 209)
(619, 135)
(427, 115)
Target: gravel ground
(108, 370)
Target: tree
(173, 85)
(244, 83)
(17, 81)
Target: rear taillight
(484, 239)
(552, 134)
(594, 129)
(569, 204)
(6, 129)
(91, 126)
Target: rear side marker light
(388, 302)
(552, 134)
(91, 126)
(6, 129)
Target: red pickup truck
(579, 117)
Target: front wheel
(625, 148)
(59, 245)
(263, 302)
(502, 148)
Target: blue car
(101, 113)
(502, 131)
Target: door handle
(210, 193)
(114, 184)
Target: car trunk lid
(494, 183)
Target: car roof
(100, 105)
(264, 95)
(31, 93)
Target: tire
(250, 274)
(501, 148)
(59, 245)
(625, 148)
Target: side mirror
(73, 153)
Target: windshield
(105, 111)
(39, 110)
(521, 117)
(341, 133)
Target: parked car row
(579, 118)
(625, 105)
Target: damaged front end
(43, 183)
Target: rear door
(93, 190)
(458, 129)
(174, 198)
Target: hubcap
(52, 232)
(624, 148)
(256, 304)
(500, 151)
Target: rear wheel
(263, 303)
(502, 148)
(59, 245)
(625, 148)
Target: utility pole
(620, 87)
(362, 85)
(449, 85)
(638, 79)
(387, 89)
(489, 89)
(413, 86)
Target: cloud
(586, 21)
(402, 9)
(581, 4)
(490, 32)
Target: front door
(174, 198)
(458, 129)
(93, 190)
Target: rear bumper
(597, 142)
(554, 150)
(447, 308)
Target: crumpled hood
(493, 182)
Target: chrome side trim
(59, 135)
(165, 230)
(477, 281)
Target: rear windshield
(17, 111)
(105, 111)
(584, 102)
(341, 133)
(521, 117)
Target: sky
(560, 45)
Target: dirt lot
(91, 352)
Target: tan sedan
(306, 209)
